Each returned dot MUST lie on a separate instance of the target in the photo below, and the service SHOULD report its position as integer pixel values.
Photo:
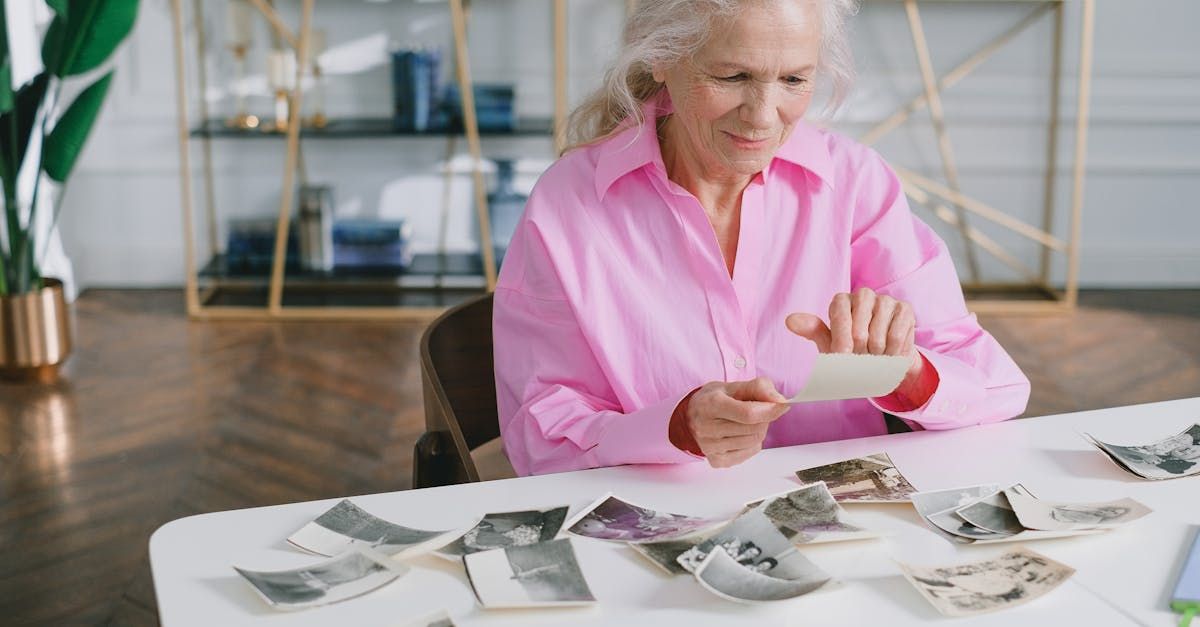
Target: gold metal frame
(948, 203)
(300, 40)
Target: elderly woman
(676, 273)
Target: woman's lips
(748, 144)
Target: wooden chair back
(459, 384)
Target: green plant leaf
(52, 43)
(87, 35)
(6, 90)
(26, 102)
(59, 6)
(65, 142)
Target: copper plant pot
(35, 333)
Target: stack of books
(371, 245)
(250, 246)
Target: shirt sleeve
(894, 253)
(557, 410)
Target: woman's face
(738, 98)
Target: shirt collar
(636, 146)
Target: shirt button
(739, 363)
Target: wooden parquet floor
(159, 418)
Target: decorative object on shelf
(416, 84)
(505, 206)
(371, 244)
(281, 73)
(495, 107)
(35, 336)
(315, 223)
(281, 78)
(316, 46)
(250, 245)
(239, 22)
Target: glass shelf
(428, 270)
(343, 128)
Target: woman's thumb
(810, 327)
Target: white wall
(122, 220)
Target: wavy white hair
(662, 32)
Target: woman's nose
(757, 109)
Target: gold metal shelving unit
(949, 203)
(199, 305)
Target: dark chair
(460, 396)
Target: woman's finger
(840, 321)
(731, 444)
(862, 307)
(732, 458)
(882, 321)
(810, 327)
(910, 341)
(901, 330)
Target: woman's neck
(719, 192)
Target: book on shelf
(367, 243)
(250, 245)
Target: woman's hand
(728, 421)
(871, 324)
(864, 323)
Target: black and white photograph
(992, 513)
(346, 525)
(726, 578)
(612, 518)
(356, 572)
(1044, 515)
(870, 479)
(537, 575)
(934, 501)
(952, 523)
(752, 541)
(810, 515)
(505, 529)
(1016, 577)
(665, 554)
(1169, 458)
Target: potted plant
(41, 132)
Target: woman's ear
(659, 73)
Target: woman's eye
(735, 78)
(795, 80)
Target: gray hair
(663, 32)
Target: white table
(1123, 576)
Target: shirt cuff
(959, 389)
(641, 437)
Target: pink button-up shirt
(615, 302)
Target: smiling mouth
(745, 140)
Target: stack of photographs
(1012, 579)
(353, 573)
(762, 563)
(986, 514)
(869, 479)
(507, 529)
(346, 525)
(1169, 458)
(545, 574)
(612, 518)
